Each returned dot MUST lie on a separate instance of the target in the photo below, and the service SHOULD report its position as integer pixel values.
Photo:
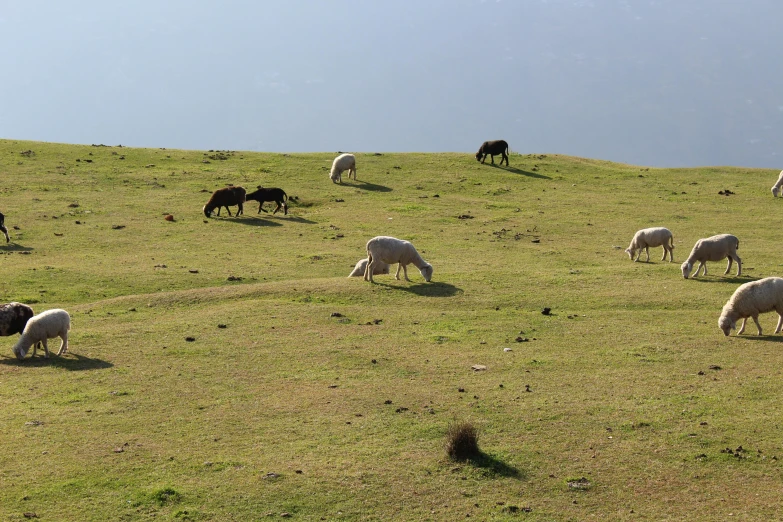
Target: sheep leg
(241, 210)
(285, 208)
(63, 344)
(261, 207)
(368, 269)
(227, 210)
(647, 249)
(780, 323)
(739, 265)
(5, 231)
(756, 320)
(397, 275)
(728, 267)
(742, 328)
(46, 348)
(405, 271)
(665, 250)
(492, 157)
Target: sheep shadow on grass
(724, 279)
(14, 247)
(254, 221)
(296, 219)
(775, 338)
(522, 172)
(433, 289)
(69, 361)
(363, 185)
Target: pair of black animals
(230, 196)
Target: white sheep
(750, 300)
(651, 237)
(46, 325)
(340, 164)
(713, 248)
(379, 269)
(777, 185)
(391, 250)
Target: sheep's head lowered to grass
(726, 324)
(426, 272)
(20, 352)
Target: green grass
(291, 410)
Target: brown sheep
(225, 197)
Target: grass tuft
(462, 441)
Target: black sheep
(277, 195)
(493, 148)
(13, 318)
(3, 229)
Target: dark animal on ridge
(493, 148)
(225, 197)
(262, 195)
(3, 229)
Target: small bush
(164, 496)
(462, 441)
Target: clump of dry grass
(462, 441)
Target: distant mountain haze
(648, 82)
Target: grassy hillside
(278, 405)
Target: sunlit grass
(227, 368)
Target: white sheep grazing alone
(46, 325)
(777, 185)
(340, 164)
(379, 269)
(750, 300)
(391, 250)
(713, 248)
(651, 237)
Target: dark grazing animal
(262, 195)
(493, 148)
(14, 317)
(225, 197)
(3, 229)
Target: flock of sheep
(749, 300)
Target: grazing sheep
(651, 237)
(750, 300)
(777, 185)
(493, 148)
(713, 248)
(391, 250)
(225, 197)
(340, 164)
(3, 229)
(13, 318)
(380, 268)
(46, 325)
(261, 195)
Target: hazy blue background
(649, 82)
